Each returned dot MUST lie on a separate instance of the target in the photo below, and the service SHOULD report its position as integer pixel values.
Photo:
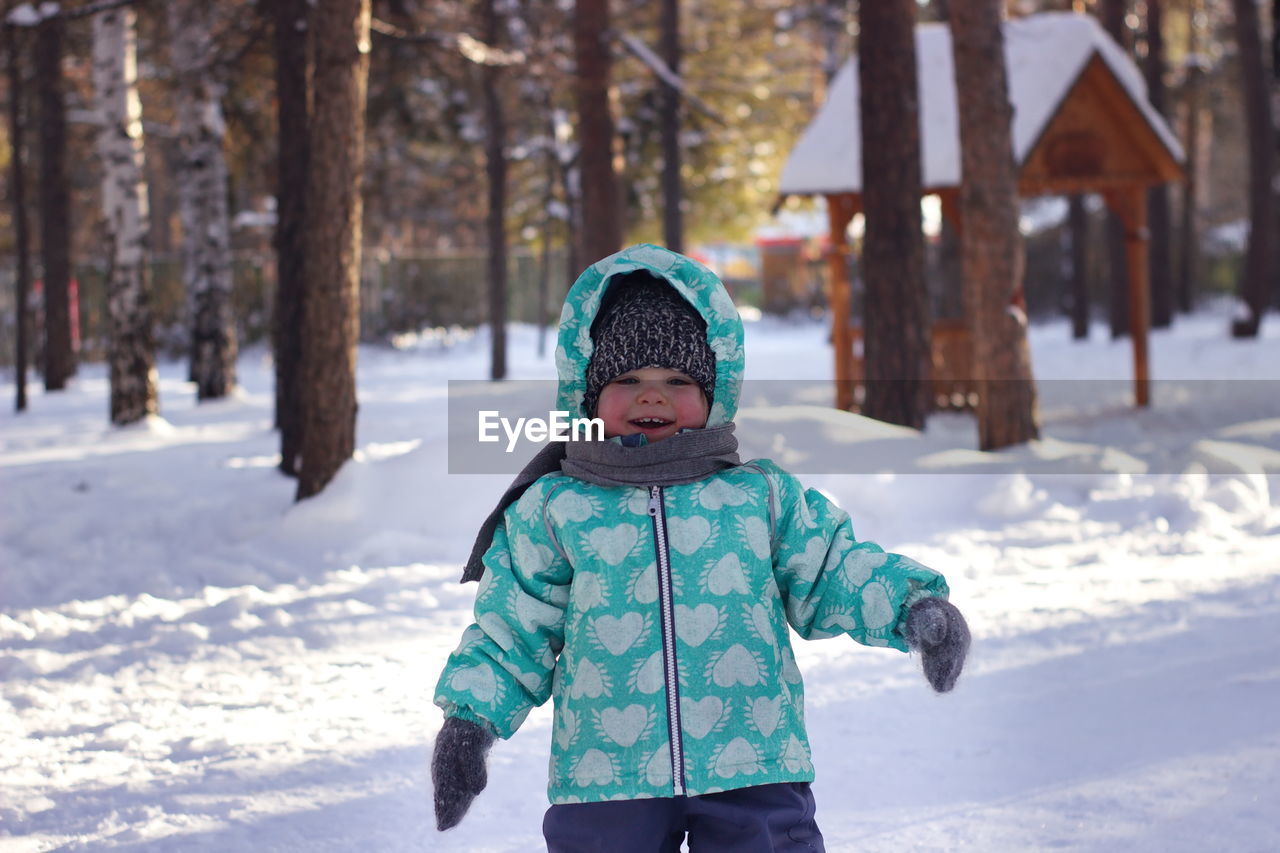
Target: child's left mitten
(458, 769)
(937, 630)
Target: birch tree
(896, 326)
(202, 198)
(332, 234)
(131, 351)
(991, 244)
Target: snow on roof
(1044, 53)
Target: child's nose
(652, 393)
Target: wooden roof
(1082, 121)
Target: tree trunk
(202, 189)
(601, 225)
(1078, 224)
(669, 112)
(292, 158)
(18, 200)
(1160, 259)
(331, 315)
(55, 207)
(896, 326)
(1259, 273)
(1112, 13)
(991, 244)
(131, 353)
(496, 168)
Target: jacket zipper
(667, 608)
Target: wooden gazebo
(1081, 124)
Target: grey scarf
(683, 458)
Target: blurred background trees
(487, 130)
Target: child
(647, 582)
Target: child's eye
(625, 380)
(678, 380)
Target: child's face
(655, 401)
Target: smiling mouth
(651, 423)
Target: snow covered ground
(189, 661)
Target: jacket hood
(699, 286)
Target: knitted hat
(644, 322)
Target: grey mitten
(936, 629)
(458, 769)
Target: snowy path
(189, 662)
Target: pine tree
(1259, 273)
(896, 331)
(601, 213)
(1158, 217)
(293, 147)
(495, 120)
(991, 244)
(55, 206)
(18, 199)
(332, 235)
(1112, 14)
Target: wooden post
(1136, 238)
(840, 211)
(1130, 205)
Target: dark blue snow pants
(760, 819)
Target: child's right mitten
(936, 629)
(458, 769)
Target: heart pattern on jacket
(687, 535)
(572, 506)
(657, 771)
(694, 625)
(765, 713)
(587, 681)
(738, 758)
(479, 681)
(700, 717)
(860, 565)
(726, 576)
(877, 611)
(594, 768)
(587, 592)
(717, 494)
(755, 531)
(617, 634)
(648, 677)
(624, 726)
(736, 666)
(613, 544)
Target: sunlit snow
(189, 660)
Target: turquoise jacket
(658, 619)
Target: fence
(397, 294)
(404, 293)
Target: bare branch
(470, 47)
(641, 51)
